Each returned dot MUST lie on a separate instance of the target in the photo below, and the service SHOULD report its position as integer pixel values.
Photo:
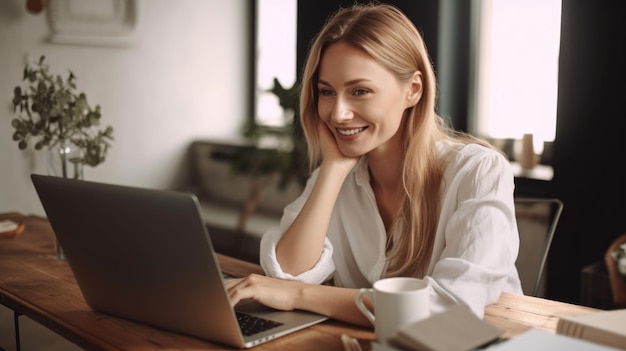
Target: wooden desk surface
(36, 284)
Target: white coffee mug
(397, 301)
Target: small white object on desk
(7, 226)
(10, 229)
(350, 343)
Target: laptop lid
(146, 255)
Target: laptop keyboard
(251, 325)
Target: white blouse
(476, 242)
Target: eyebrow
(348, 83)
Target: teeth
(350, 131)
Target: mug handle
(359, 303)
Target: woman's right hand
(330, 150)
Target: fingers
(330, 148)
(272, 292)
(328, 144)
(240, 289)
(235, 291)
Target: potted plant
(280, 162)
(54, 115)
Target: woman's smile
(350, 132)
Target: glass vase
(65, 160)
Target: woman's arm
(334, 302)
(301, 245)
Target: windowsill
(539, 172)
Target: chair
(537, 219)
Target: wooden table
(33, 282)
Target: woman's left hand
(272, 292)
(337, 303)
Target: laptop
(146, 255)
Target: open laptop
(146, 255)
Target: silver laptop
(146, 255)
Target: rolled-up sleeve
(319, 273)
(323, 268)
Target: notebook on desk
(146, 255)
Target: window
(275, 57)
(517, 69)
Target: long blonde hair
(388, 36)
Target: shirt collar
(361, 172)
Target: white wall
(184, 79)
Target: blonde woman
(394, 192)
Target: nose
(341, 111)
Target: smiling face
(361, 101)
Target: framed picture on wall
(92, 22)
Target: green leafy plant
(286, 153)
(51, 112)
(275, 152)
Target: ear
(415, 89)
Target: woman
(394, 192)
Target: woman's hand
(330, 150)
(276, 293)
(287, 295)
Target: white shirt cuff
(319, 273)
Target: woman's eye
(326, 92)
(361, 92)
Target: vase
(528, 159)
(65, 160)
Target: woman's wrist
(307, 298)
(339, 169)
